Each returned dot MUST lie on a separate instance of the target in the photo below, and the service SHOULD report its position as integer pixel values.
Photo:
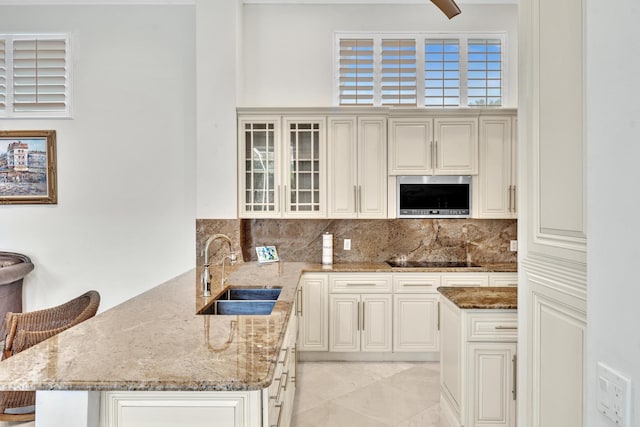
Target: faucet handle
(232, 257)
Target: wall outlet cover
(513, 245)
(614, 396)
(347, 244)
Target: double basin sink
(238, 300)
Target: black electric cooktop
(431, 264)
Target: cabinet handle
(436, 156)
(281, 407)
(300, 299)
(515, 207)
(284, 203)
(506, 327)
(515, 376)
(360, 198)
(438, 315)
(363, 311)
(432, 156)
(285, 382)
(277, 396)
(355, 198)
(510, 198)
(278, 198)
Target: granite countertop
(482, 297)
(156, 341)
(383, 267)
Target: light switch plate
(614, 396)
(347, 244)
(513, 245)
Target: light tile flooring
(361, 394)
(367, 394)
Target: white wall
(288, 49)
(125, 218)
(613, 114)
(218, 82)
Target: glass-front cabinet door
(305, 164)
(259, 178)
(282, 164)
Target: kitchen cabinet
(282, 166)
(314, 312)
(357, 178)
(433, 146)
(465, 279)
(416, 312)
(478, 366)
(360, 307)
(503, 279)
(496, 180)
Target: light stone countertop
(156, 341)
(482, 297)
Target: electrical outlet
(513, 246)
(614, 396)
(347, 244)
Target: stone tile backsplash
(474, 240)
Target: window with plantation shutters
(398, 64)
(3, 77)
(356, 71)
(484, 76)
(36, 76)
(430, 70)
(442, 72)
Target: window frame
(420, 38)
(9, 111)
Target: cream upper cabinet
(357, 178)
(496, 192)
(433, 146)
(282, 167)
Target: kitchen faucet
(206, 276)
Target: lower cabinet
(314, 311)
(360, 312)
(360, 322)
(478, 367)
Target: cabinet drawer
(369, 283)
(416, 283)
(465, 279)
(503, 279)
(492, 326)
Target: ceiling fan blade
(448, 7)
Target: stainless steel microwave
(434, 196)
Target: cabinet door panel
(376, 323)
(304, 163)
(315, 308)
(372, 168)
(456, 146)
(342, 161)
(491, 385)
(496, 192)
(410, 148)
(259, 157)
(344, 322)
(415, 322)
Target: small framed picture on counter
(267, 254)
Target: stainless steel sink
(244, 301)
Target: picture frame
(267, 254)
(28, 170)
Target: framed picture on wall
(267, 254)
(28, 167)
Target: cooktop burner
(430, 264)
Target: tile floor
(361, 394)
(367, 394)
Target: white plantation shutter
(442, 72)
(356, 71)
(40, 75)
(3, 77)
(484, 76)
(398, 72)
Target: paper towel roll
(327, 249)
